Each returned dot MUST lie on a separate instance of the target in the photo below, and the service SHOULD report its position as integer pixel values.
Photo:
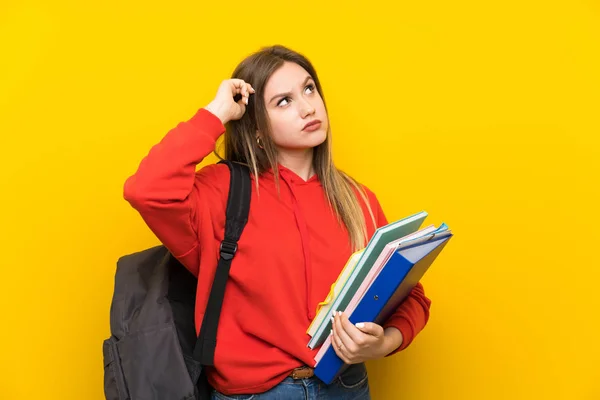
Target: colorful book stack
(375, 281)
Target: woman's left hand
(357, 343)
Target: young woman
(306, 218)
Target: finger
(248, 91)
(247, 88)
(240, 92)
(370, 328)
(341, 355)
(237, 86)
(242, 102)
(244, 90)
(347, 348)
(352, 331)
(338, 348)
(238, 83)
(347, 341)
(336, 341)
(244, 99)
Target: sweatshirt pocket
(114, 380)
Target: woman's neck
(300, 162)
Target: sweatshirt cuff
(208, 123)
(403, 325)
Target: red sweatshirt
(290, 252)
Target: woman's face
(292, 101)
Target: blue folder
(393, 284)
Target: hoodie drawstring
(301, 223)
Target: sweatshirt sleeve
(412, 314)
(165, 189)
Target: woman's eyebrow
(308, 78)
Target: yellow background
(485, 114)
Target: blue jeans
(353, 384)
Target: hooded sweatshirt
(290, 252)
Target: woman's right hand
(224, 106)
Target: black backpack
(153, 352)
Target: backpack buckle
(228, 249)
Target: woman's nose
(307, 109)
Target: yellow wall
(484, 114)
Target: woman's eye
(310, 87)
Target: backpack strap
(238, 207)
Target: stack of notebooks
(374, 283)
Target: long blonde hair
(241, 145)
